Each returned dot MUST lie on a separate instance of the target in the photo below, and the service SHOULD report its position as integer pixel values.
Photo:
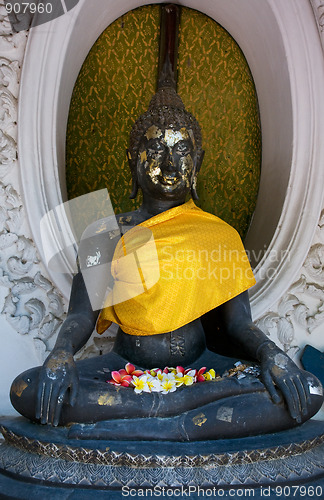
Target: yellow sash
(172, 269)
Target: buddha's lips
(169, 179)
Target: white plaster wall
(33, 308)
(17, 354)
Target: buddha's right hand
(58, 377)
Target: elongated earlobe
(193, 191)
(199, 161)
(134, 192)
(193, 185)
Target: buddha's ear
(200, 159)
(133, 194)
(193, 185)
(193, 191)
(132, 168)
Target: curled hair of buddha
(166, 110)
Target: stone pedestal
(36, 461)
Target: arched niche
(282, 47)
(115, 85)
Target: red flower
(130, 370)
(200, 376)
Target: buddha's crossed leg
(213, 409)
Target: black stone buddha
(165, 156)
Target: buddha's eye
(155, 148)
(182, 148)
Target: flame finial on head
(166, 109)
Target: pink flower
(120, 378)
(124, 375)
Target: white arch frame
(282, 46)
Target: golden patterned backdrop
(115, 85)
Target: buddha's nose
(168, 162)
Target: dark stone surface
(59, 435)
(40, 461)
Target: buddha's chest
(180, 347)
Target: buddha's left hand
(277, 369)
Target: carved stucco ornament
(318, 7)
(302, 306)
(31, 304)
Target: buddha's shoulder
(129, 218)
(212, 219)
(112, 225)
(101, 236)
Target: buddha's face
(166, 162)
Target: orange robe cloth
(172, 269)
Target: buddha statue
(200, 285)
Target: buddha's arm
(237, 318)
(80, 320)
(277, 369)
(58, 375)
